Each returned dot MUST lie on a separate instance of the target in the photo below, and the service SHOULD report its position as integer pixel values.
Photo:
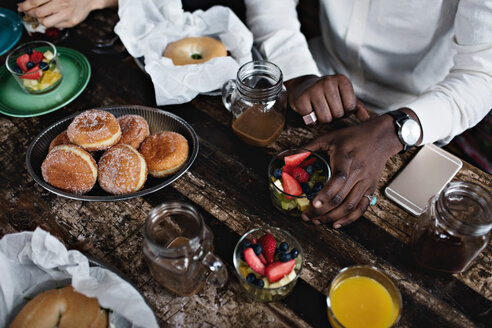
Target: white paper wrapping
(146, 27)
(31, 262)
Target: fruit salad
(35, 66)
(296, 177)
(268, 262)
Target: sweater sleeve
(464, 97)
(276, 29)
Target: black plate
(158, 121)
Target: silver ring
(372, 199)
(310, 119)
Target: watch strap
(400, 117)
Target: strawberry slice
(308, 162)
(22, 62)
(268, 244)
(262, 259)
(300, 174)
(287, 169)
(277, 270)
(291, 186)
(254, 261)
(32, 74)
(36, 57)
(296, 159)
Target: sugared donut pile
(130, 152)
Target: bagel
(70, 168)
(165, 153)
(94, 130)
(62, 308)
(194, 50)
(121, 170)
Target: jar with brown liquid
(454, 229)
(257, 101)
(178, 249)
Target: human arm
(62, 13)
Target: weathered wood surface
(228, 183)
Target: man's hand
(330, 97)
(62, 13)
(357, 158)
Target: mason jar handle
(227, 90)
(218, 275)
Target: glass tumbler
(35, 66)
(257, 101)
(178, 248)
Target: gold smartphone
(424, 177)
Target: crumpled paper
(31, 262)
(146, 27)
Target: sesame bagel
(194, 50)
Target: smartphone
(424, 177)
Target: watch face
(410, 132)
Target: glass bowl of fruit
(35, 66)
(295, 177)
(268, 262)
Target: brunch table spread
(228, 184)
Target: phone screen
(424, 177)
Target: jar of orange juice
(362, 296)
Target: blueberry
(28, 51)
(277, 173)
(245, 244)
(44, 66)
(284, 257)
(310, 195)
(29, 65)
(317, 187)
(284, 247)
(310, 170)
(17, 70)
(257, 249)
(305, 188)
(260, 283)
(294, 253)
(251, 277)
(277, 250)
(317, 165)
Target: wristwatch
(407, 129)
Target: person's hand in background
(330, 97)
(62, 13)
(357, 158)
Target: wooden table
(228, 184)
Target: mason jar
(257, 100)
(454, 229)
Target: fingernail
(336, 226)
(317, 203)
(316, 222)
(305, 218)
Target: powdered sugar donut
(94, 130)
(70, 168)
(122, 170)
(134, 129)
(165, 153)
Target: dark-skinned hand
(357, 158)
(330, 96)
